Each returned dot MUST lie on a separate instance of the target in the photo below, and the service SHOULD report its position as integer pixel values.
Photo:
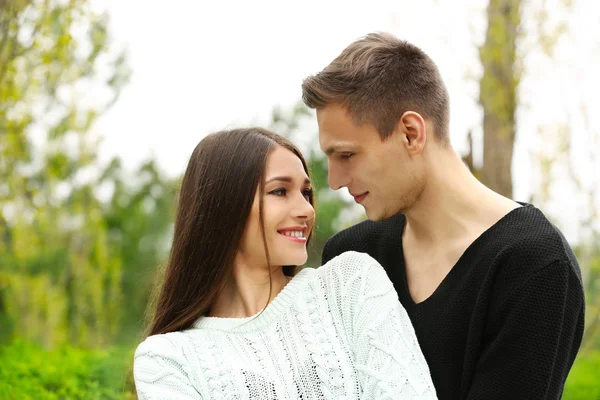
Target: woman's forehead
(284, 163)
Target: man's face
(380, 175)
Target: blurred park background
(102, 102)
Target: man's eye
(346, 156)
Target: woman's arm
(161, 372)
(387, 354)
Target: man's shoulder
(531, 235)
(526, 242)
(365, 236)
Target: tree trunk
(498, 95)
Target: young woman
(236, 320)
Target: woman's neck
(247, 292)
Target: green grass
(29, 372)
(583, 382)
(67, 373)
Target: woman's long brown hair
(217, 191)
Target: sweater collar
(274, 310)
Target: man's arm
(330, 250)
(531, 341)
(346, 240)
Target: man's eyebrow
(336, 148)
(330, 150)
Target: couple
(448, 291)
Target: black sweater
(506, 322)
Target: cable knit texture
(336, 332)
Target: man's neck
(453, 205)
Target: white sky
(204, 66)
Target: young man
(492, 287)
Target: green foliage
(591, 339)
(30, 372)
(498, 55)
(139, 218)
(59, 281)
(583, 382)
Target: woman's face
(287, 212)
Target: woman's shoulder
(350, 263)
(351, 267)
(159, 357)
(166, 344)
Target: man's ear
(412, 127)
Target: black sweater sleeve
(532, 338)
(329, 251)
(346, 240)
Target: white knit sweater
(336, 332)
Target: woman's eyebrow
(288, 179)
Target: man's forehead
(337, 132)
(333, 111)
(331, 145)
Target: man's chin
(373, 215)
(377, 215)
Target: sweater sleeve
(161, 372)
(532, 340)
(388, 358)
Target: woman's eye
(278, 192)
(307, 193)
(346, 156)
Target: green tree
(139, 217)
(498, 95)
(58, 279)
(503, 70)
